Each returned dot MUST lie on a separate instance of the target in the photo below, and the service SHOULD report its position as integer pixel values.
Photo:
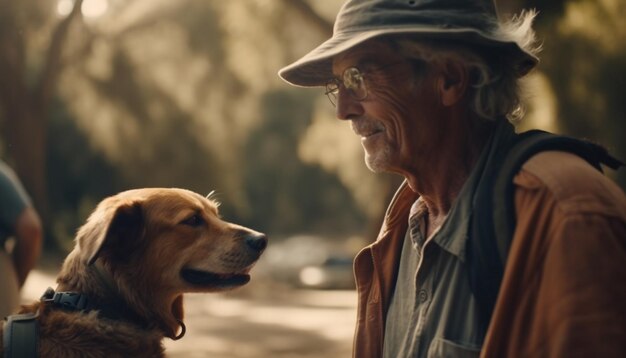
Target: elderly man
(430, 87)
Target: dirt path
(261, 320)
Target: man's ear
(116, 230)
(452, 83)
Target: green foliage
(284, 194)
(78, 176)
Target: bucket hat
(467, 21)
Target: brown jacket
(564, 287)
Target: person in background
(20, 236)
(431, 88)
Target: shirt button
(423, 296)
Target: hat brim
(315, 68)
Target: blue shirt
(13, 201)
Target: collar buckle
(71, 301)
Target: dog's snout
(256, 241)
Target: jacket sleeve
(564, 288)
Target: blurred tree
(27, 86)
(169, 94)
(582, 71)
(78, 177)
(185, 93)
(585, 59)
(287, 196)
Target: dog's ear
(117, 228)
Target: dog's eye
(194, 220)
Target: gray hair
(495, 81)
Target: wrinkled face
(398, 120)
(175, 240)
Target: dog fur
(138, 252)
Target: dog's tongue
(204, 278)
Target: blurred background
(100, 96)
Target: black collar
(71, 301)
(80, 302)
(113, 307)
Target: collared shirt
(432, 312)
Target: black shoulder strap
(21, 336)
(529, 144)
(494, 218)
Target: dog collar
(80, 302)
(72, 301)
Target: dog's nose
(256, 241)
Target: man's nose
(347, 106)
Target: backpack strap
(531, 143)
(21, 336)
(494, 218)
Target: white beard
(378, 162)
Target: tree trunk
(26, 107)
(25, 139)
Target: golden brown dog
(137, 254)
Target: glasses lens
(332, 89)
(354, 82)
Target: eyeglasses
(353, 80)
